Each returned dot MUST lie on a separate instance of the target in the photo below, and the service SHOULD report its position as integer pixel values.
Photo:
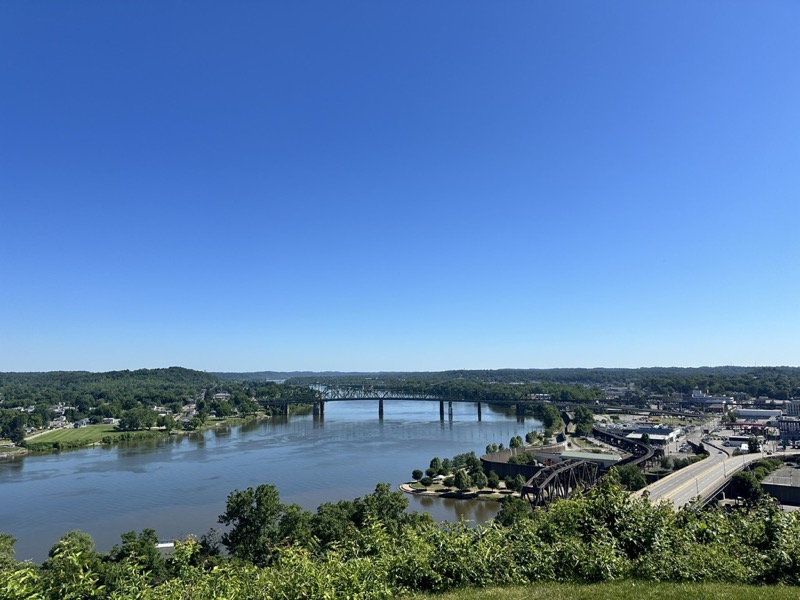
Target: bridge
(363, 392)
(572, 476)
(701, 481)
(560, 481)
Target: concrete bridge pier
(450, 410)
(319, 408)
(441, 410)
(479, 411)
(380, 409)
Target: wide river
(178, 486)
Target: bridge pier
(319, 408)
(479, 411)
(441, 410)
(380, 409)
(450, 410)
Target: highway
(701, 478)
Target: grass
(625, 590)
(85, 435)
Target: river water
(178, 486)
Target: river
(178, 485)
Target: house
(81, 423)
(58, 422)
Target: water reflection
(178, 485)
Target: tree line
(27, 400)
(372, 548)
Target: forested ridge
(138, 399)
(772, 382)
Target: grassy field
(84, 435)
(626, 590)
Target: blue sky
(370, 185)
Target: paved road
(701, 478)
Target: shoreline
(484, 494)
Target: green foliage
(253, 516)
(524, 458)
(512, 510)
(462, 480)
(631, 477)
(371, 548)
(584, 420)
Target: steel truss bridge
(560, 481)
(572, 476)
(368, 393)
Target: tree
(416, 474)
(512, 510)
(141, 550)
(631, 477)
(584, 420)
(447, 467)
(645, 438)
(753, 445)
(479, 480)
(436, 464)
(493, 480)
(253, 516)
(73, 562)
(747, 486)
(462, 480)
(6, 550)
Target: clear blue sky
(237, 186)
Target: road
(701, 478)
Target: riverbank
(443, 491)
(71, 438)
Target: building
(790, 430)
(757, 413)
(605, 461)
(792, 408)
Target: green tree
(747, 486)
(73, 564)
(512, 510)
(479, 480)
(584, 420)
(7, 542)
(462, 480)
(416, 474)
(631, 477)
(253, 516)
(492, 480)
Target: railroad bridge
(571, 476)
(560, 481)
